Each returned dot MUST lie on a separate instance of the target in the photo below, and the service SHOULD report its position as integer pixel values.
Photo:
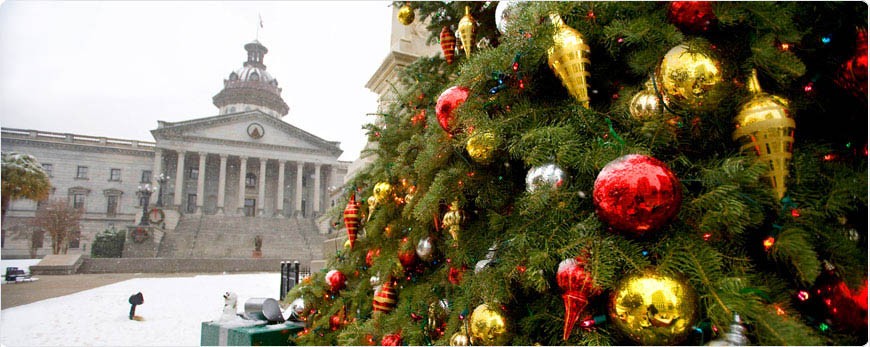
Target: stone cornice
(394, 61)
(243, 144)
(96, 148)
(176, 131)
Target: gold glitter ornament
(569, 59)
(646, 104)
(488, 326)
(690, 81)
(481, 147)
(381, 192)
(406, 14)
(452, 219)
(766, 129)
(466, 29)
(653, 309)
(460, 339)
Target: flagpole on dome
(260, 26)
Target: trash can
(263, 309)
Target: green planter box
(259, 335)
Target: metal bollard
(281, 291)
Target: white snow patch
(174, 310)
(23, 264)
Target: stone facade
(244, 162)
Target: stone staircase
(209, 236)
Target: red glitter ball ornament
(392, 340)
(577, 285)
(454, 275)
(447, 103)
(853, 73)
(846, 307)
(636, 194)
(335, 322)
(408, 258)
(692, 16)
(370, 256)
(336, 280)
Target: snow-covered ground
(174, 309)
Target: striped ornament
(385, 299)
(351, 219)
(448, 44)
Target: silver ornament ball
(547, 175)
(426, 249)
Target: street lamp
(144, 193)
(161, 181)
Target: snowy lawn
(174, 309)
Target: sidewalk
(51, 286)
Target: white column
(157, 168)
(280, 196)
(243, 170)
(200, 182)
(261, 194)
(179, 180)
(222, 184)
(316, 207)
(300, 166)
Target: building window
(193, 173)
(49, 169)
(75, 238)
(191, 203)
(303, 207)
(78, 201)
(254, 77)
(232, 109)
(250, 180)
(115, 175)
(250, 207)
(82, 172)
(111, 205)
(146, 176)
(304, 181)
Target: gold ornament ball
(653, 309)
(569, 59)
(381, 192)
(690, 81)
(406, 14)
(460, 339)
(765, 129)
(481, 147)
(646, 104)
(488, 326)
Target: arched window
(232, 109)
(250, 180)
(254, 76)
(233, 76)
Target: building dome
(251, 87)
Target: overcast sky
(115, 68)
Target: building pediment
(248, 129)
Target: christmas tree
(597, 173)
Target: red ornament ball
(407, 258)
(370, 256)
(454, 275)
(334, 322)
(853, 73)
(447, 103)
(846, 307)
(336, 280)
(392, 340)
(636, 194)
(692, 16)
(577, 285)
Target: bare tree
(60, 220)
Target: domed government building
(228, 180)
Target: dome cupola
(251, 87)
